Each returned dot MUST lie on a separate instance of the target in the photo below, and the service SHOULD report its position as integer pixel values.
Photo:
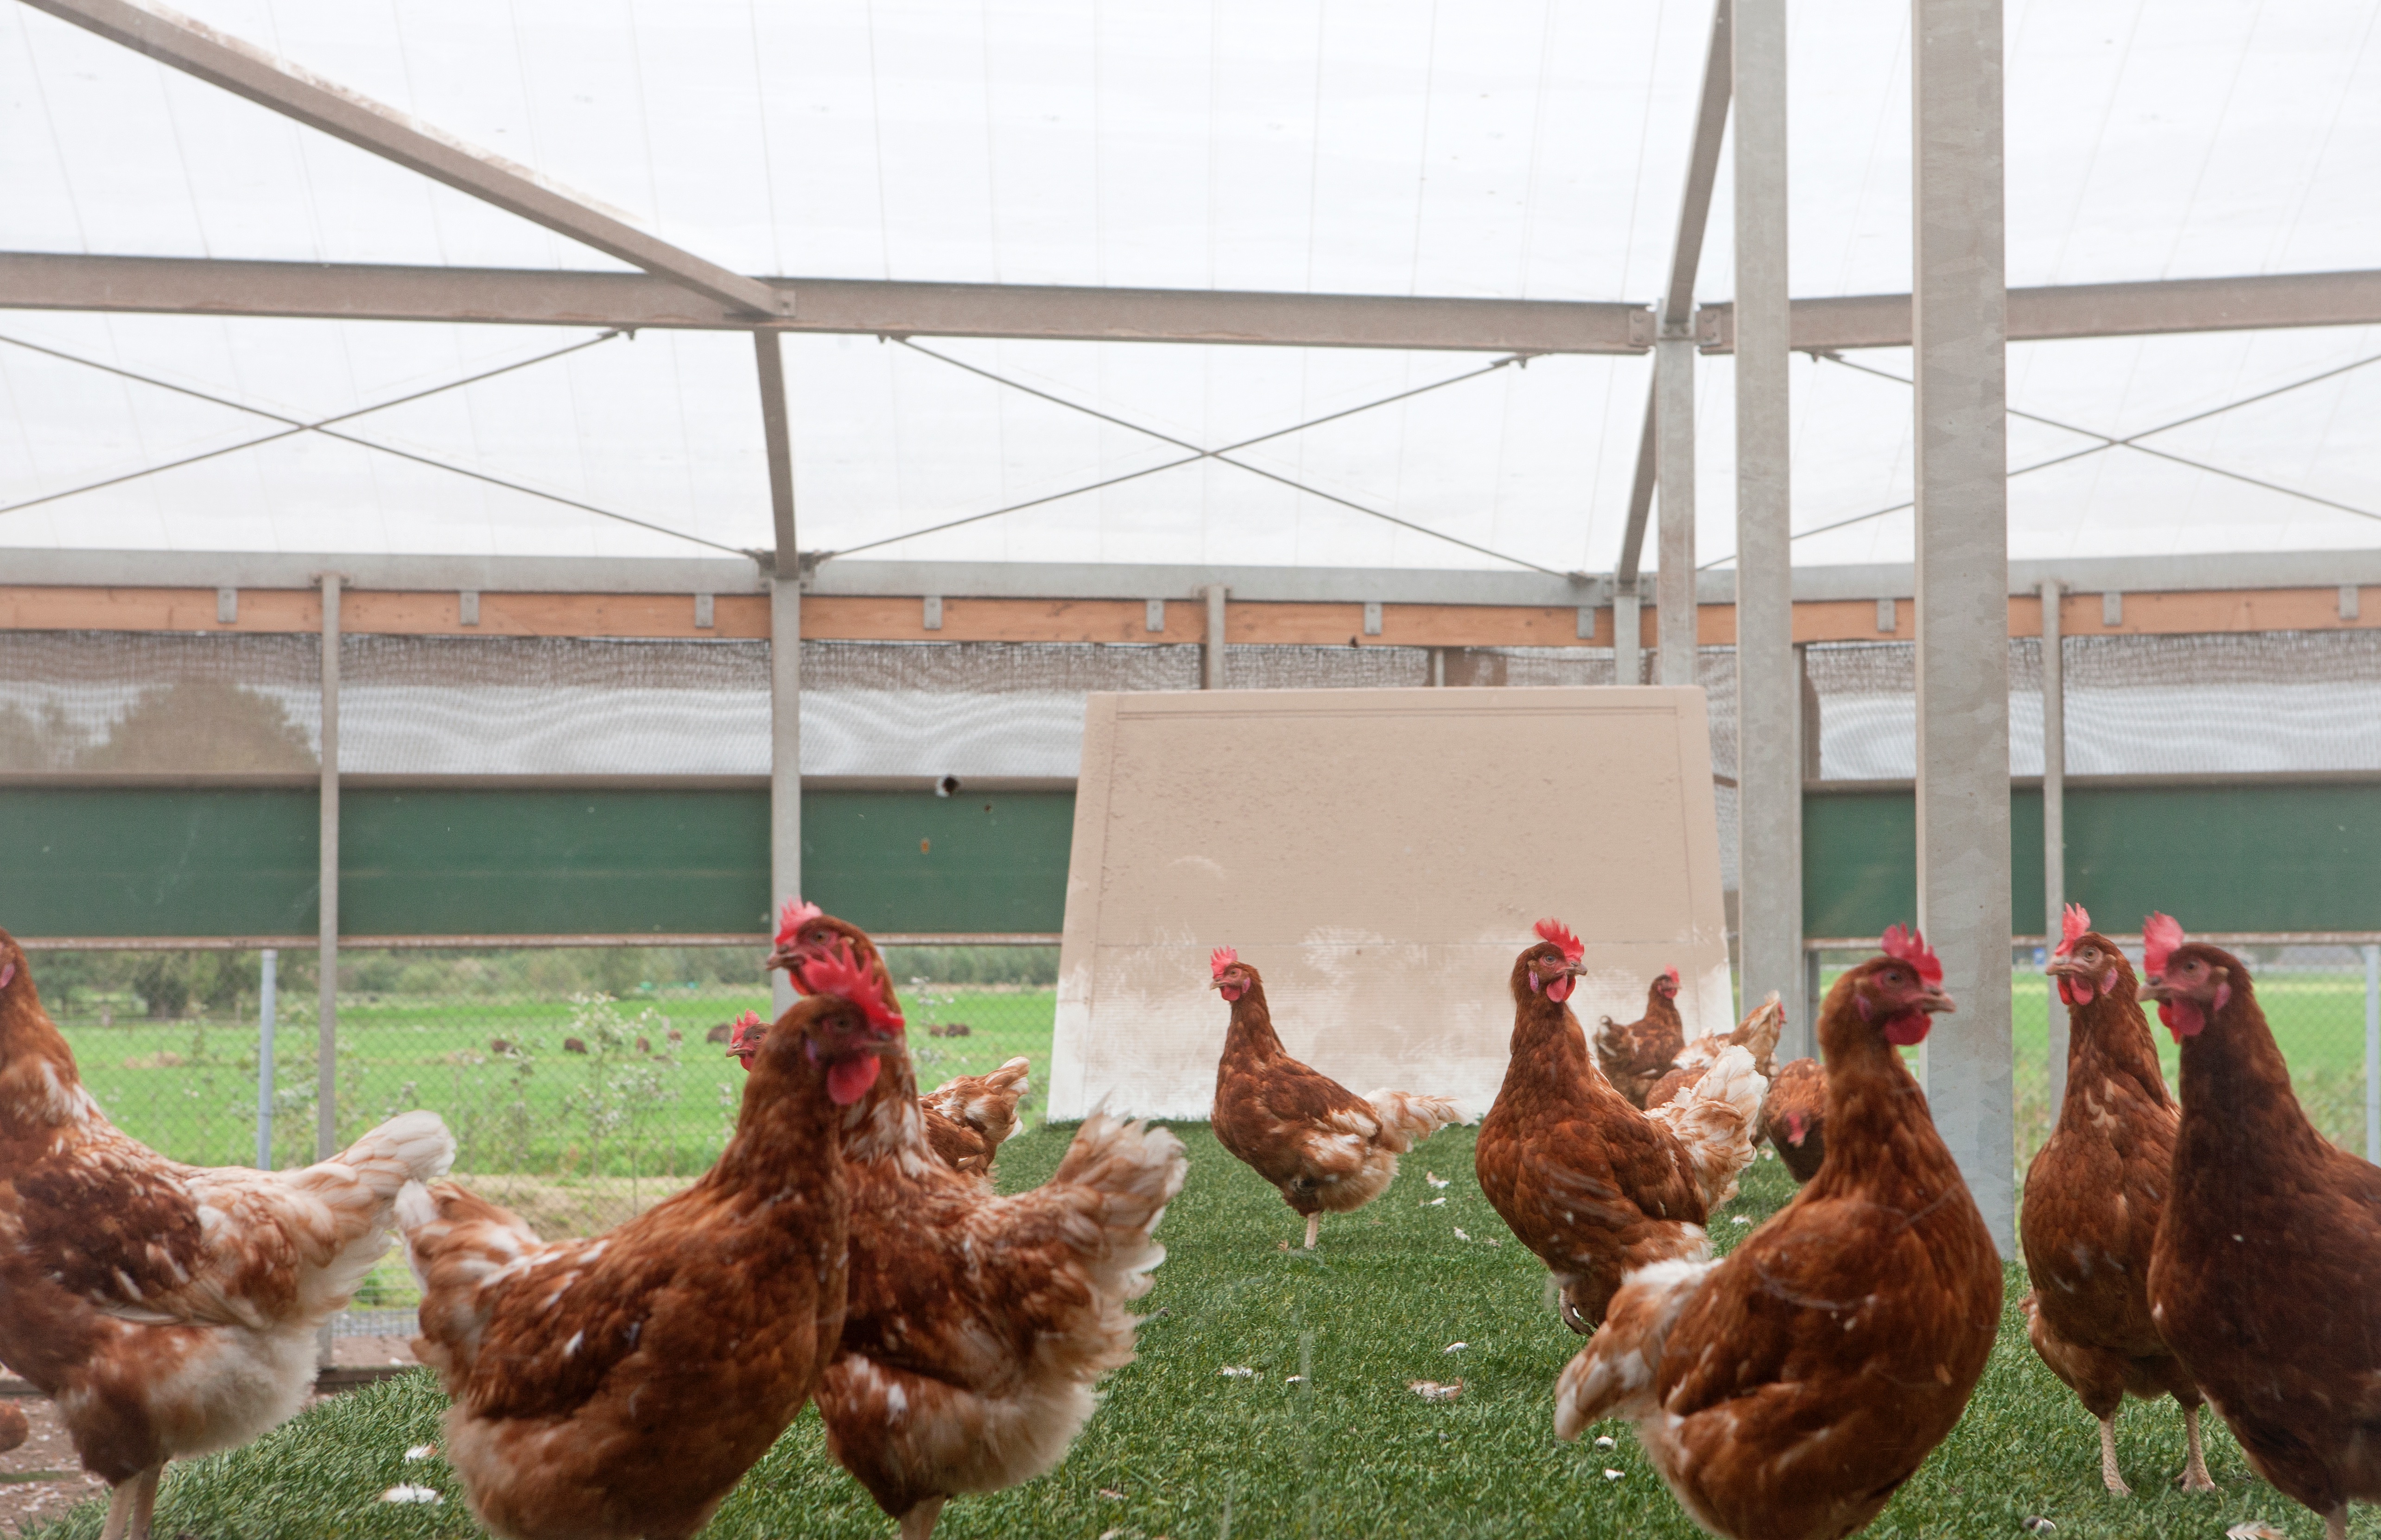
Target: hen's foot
(1313, 1229)
(919, 1522)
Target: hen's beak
(2159, 990)
(2064, 968)
(1935, 1003)
(1576, 970)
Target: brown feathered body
(978, 1326)
(1758, 1035)
(2094, 1194)
(1794, 1118)
(2262, 1278)
(1786, 1392)
(1323, 1146)
(1586, 1180)
(1634, 1055)
(169, 1310)
(971, 1116)
(619, 1386)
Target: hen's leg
(2334, 1524)
(919, 1522)
(119, 1509)
(1313, 1229)
(2109, 1472)
(144, 1505)
(2194, 1469)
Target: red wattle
(848, 1079)
(2064, 993)
(1908, 1027)
(2077, 992)
(1231, 992)
(2181, 1017)
(1559, 988)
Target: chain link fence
(2322, 1000)
(581, 1084)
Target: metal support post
(1628, 638)
(326, 955)
(1768, 685)
(2373, 1053)
(1960, 326)
(267, 1008)
(2054, 827)
(785, 651)
(1211, 649)
(1673, 584)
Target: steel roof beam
(2268, 302)
(1686, 257)
(200, 286)
(246, 71)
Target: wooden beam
(839, 617)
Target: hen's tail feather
(1615, 1374)
(1405, 1116)
(1011, 1076)
(1717, 1121)
(455, 1241)
(1124, 1175)
(344, 1228)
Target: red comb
(1671, 973)
(2071, 929)
(2161, 934)
(793, 917)
(838, 975)
(745, 1028)
(1907, 946)
(1573, 948)
(1219, 959)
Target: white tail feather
(1717, 1121)
(1615, 1374)
(1405, 1116)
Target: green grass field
(1180, 1451)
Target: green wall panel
(916, 861)
(94, 861)
(209, 863)
(490, 862)
(86, 862)
(2221, 858)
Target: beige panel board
(1379, 855)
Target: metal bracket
(467, 603)
(1372, 617)
(1715, 329)
(1642, 327)
(226, 607)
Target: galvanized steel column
(785, 651)
(1628, 638)
(1211, 648)
(1769, 683)
(327, 955)
(1960, 314)
(1674, 458)
(2054, 826)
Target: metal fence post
(267, 1006)
(2054, 828)
(326, 1040)
(2373, 1053)
(1211, 654)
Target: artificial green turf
(1350, 1452)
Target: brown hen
(1590, 1183)
(2092, 1198)
(1635, 1055)
(1758, 1035)
(169, 1310)
(985, 1105)
(978, 1324)
(2261, 1279)
(1794, 1118)
(1786, 1392)
(1323, 1146)
(619, 1387)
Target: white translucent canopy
(1395, 147)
